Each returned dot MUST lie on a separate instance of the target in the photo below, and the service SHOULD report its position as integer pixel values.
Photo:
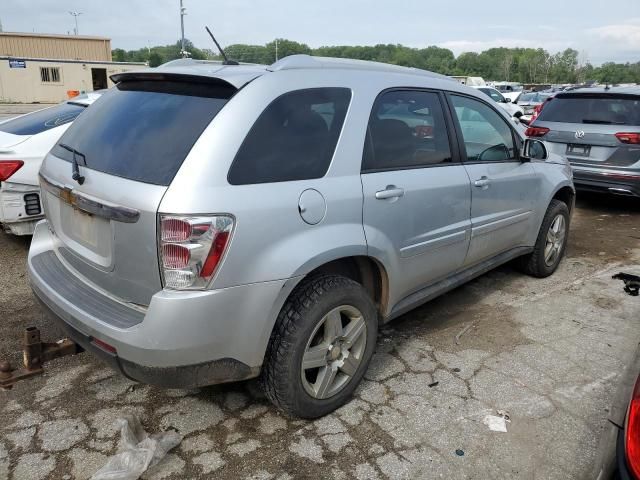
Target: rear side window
(588, 108)
(143, 130)
(293, 139)
(406, 130)
(40, 121)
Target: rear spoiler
(159, 76)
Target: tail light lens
(191, 248)
(536, 131)
(632, 439)
(538, 108)
(8, 168)
(632, 138)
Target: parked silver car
(210, 223)
(598, 129)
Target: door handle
(483, 182)
(390, 192)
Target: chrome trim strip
(100, 208)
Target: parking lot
(548, 352)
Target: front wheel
(320, 347)
(551, 242)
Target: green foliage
(159, 54)
(526, 65)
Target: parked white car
(24, 142)
(504, 102)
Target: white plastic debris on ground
(497, 423)
(138, 451)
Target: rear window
(143, 130)
(42, 120)
(293, 139)
(533, 97)
(593, 109)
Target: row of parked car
(208, 223)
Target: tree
(526, 65)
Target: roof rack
(298, 62)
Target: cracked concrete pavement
(549, 352)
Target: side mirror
(533, 150)
(507, 100)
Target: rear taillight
(632, 138)
(191, 248)
(632, 438)
(538, 108)
(8, 168)
(536, 131)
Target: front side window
(293, 139)
(406, 130)
(486, 135)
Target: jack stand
(34, 354)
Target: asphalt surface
(547, 352)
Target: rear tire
(550, 244)
(320, 347)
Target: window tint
(406, 129)
(592, 108)
(293, 139)
(487, 137)
(38, 122)
(144, 130)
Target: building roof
(53, 35)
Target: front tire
(551, 242)
(320, 347)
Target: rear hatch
(589, 128)
(128, 147)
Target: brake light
(536, 131)
(8, 168)
(191, 248)
(538, 108)
(632, 440)
(632, 138)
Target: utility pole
(75, 16)
(276, 49)
(183, 12)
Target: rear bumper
(606, 182)
(183, 339)
(186, 376)
(14, 216)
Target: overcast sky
(602, 30)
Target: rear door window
(143, 130)
(293, 139)
(42, 120)
(591, 108)
(406, 130)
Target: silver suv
(210, 223)
(598, 130)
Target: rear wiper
(601, 122)
(75, 169)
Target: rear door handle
(390, 192)
(482, 182)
